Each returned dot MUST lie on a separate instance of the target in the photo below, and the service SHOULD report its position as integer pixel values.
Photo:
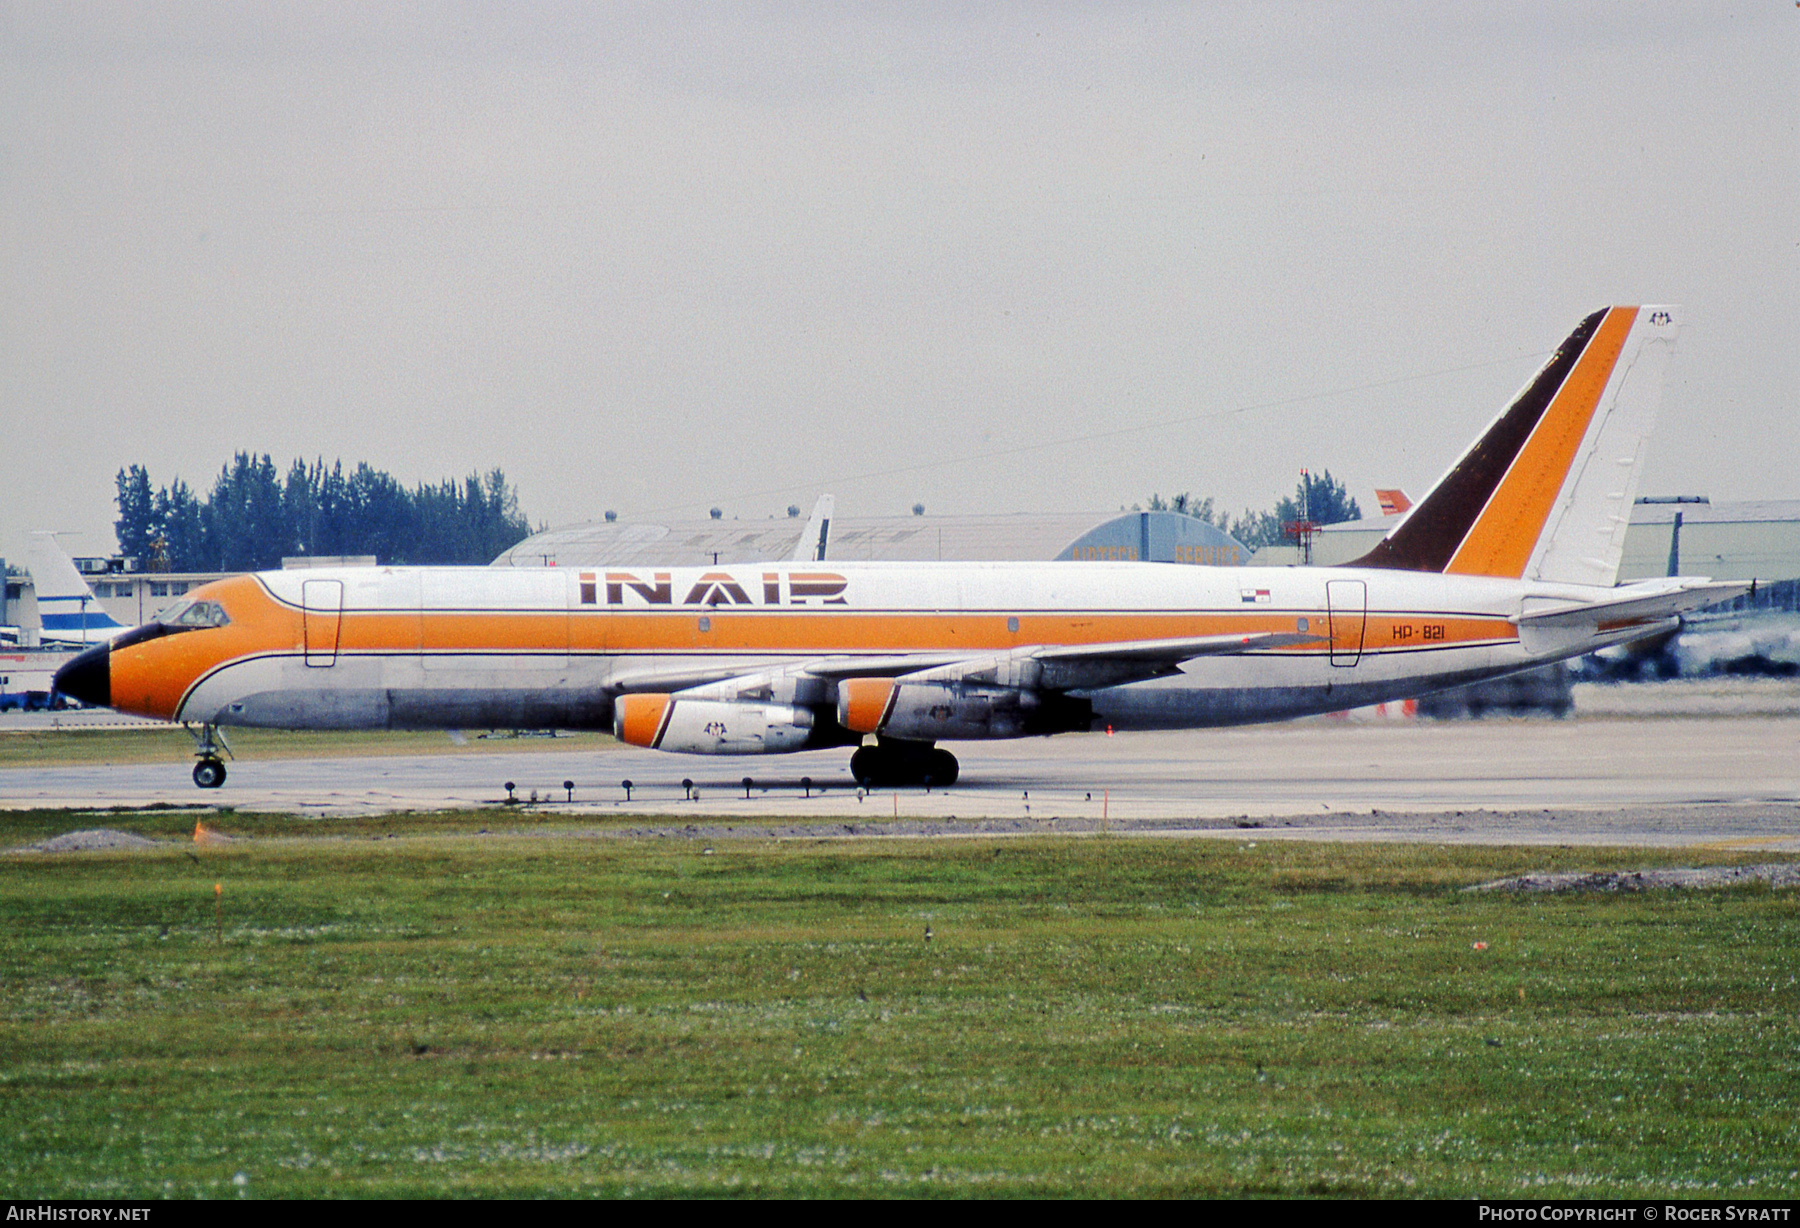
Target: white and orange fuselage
(479, 647)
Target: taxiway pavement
(1615, 780)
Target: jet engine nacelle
(928, 711)
(710, 726)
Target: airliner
(1509, 562)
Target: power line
(841, 480)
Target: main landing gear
(889, 763)
(209, 772)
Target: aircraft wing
(1158, 653)
(736, 678)
(1071, 667)
(1039, 666)
(1174, 652)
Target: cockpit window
(192, 615)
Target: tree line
(254, 517)
(1320, 499)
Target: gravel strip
(93, 840)
(1776, 874)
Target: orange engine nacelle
(710, 726)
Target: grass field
(390, 1013)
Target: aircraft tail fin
(66, 605)
(1393, 502)
(811, 546)
(1546, 492)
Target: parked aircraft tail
(1546, 492)
(67, 608)
(1393, 502)
(813, 542)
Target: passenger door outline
(1347, 612)
(322, 610)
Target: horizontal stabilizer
(1646, 603)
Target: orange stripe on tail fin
(1393, 502)
(1546, 491)
(1503, 537)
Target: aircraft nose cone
(88, 677)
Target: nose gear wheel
(209, 740)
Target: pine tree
(137, 526)
(253, 518)
(1321, 500)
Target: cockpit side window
(193, 615)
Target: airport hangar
(1669, 535)
(132, 596)
(1727, 541)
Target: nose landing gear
(209, 772)
(890, 763)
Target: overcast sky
(658, 257)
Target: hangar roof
(1717, 513)
(1163, 536)
(1756, 539)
